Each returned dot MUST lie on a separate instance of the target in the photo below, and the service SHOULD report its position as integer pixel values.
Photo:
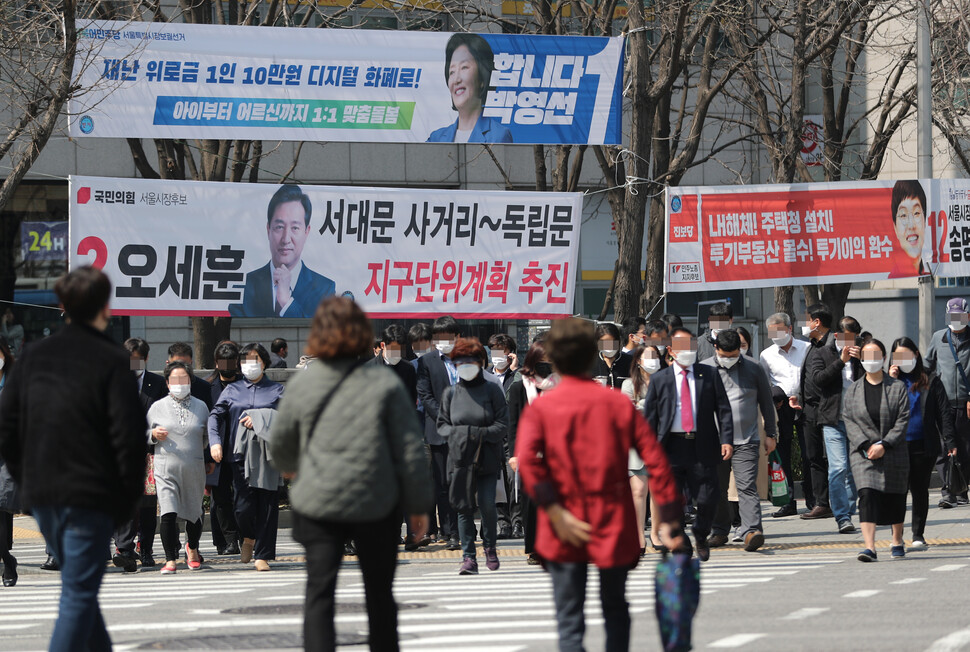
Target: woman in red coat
(573, 447)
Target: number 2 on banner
(938, 227)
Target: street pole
(924, 155)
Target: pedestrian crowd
(598, 442)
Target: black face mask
(543, 370)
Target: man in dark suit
(688, 408)
(436, 373)
(151, 387)
(285, 287)
(222, 517)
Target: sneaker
(898, 552)
(736, 537)
(918, 544)
(947, 503)
(867, 555)
(168, 568)
(126, 561)
(468, 567)
(147, 560)
(454, 544)
(533, 559)
(846, 527)
(491, 559)
(963, 500)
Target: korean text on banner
(176, 80)
(258, 250)
(762, 236)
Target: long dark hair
(7, 356)
(534, 356)
(920, 378)
(637, 373)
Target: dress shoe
(125, 561)
(231, 549)
(246, 550)
(717, 540)
(262, 565)
(785, 510)
(454, 544)
(147, 560)
(350, 549)
(504, 533)
(410, 545)
(10, 571)
(753, 541)
(517, 531)
(702, 547)
(51, 564)
(816, 513)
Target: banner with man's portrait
(179, 80)
(729, 237)
(259, 250)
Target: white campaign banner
(259, 250)
(177, 80)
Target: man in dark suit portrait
(285, 286)
(688, 408)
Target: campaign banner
(43, 241)
(178, 80)
(260, 250)
(732, 237)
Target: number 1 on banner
(604, 66)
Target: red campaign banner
(763, 236)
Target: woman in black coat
(9, 494)
(930, 425)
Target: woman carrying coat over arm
(876, 414)
(474, 418)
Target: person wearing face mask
(832, 371)
(876, 415)
(419, 339)
(719, 317)
(393, 342)
(634, 333)
(537, 377)
(687, 406)
(749, 392)
(655, 334)
(649, 361)
(474, 419)
(9, 491)
(783, 361)
(611, 364)
(177, 429)
(817, 328)
(256, 508)
(505, 368)
(225, 532)
(949, 358)
(930, 430)
(746, 340)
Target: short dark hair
(882, 347)
(680, 330)
(907, 190)
(180, 350)
(655, 327)
(572, 346)
(535, 354)
(446, 324)
(850, 325)
(172, 366)
(340, 329)
(728, 340)
(83, 293)
(137, 345)
(277, 345)
(260, 351)
(607, 328)
(226, 351)
(502, 341)
(484, 58)
(631, 325)
(285, 194)
(420, 331)
(821, 312)
(394, 333)
(673, 321)
(721, 309)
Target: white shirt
(294, 276)
(784, 368)
(678, 383)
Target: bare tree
(951, 77)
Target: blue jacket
(486, 130)
(258, 294)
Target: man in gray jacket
(949, 357)
(749, 392)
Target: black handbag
(956, 481)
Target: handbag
(779, 482)
(953, 476)
(677, 589)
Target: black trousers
(447, 519)
(818, 463)
(962, 427)
(6, 535)
(170, 535)
(376, 544)
(789, 427)
(920, 471)
(257, 514)
(698, 478)
(142, 526)
(509, 512)
(221, 510)
(569, 594)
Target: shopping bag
(956, 481)
(677, 586)
(779, 482)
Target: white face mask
(444, 346)
(686, 358)
(549, 382)
(251, 369)
(727, 362)
(650, 365)
(744, 350)
(1, 363)
(872, 366)
(392, 357)
(608, 353)
(467, 371)
(662, 348)
(714, 333)
(957, 324)
(806, 331)
(500, 361)
(421, 352)
(906, 366)
(782, 339)
(179, 391)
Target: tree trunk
(207, 332)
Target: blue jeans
(78, 538)
(486, 505)
(842, 493)
(569, 592)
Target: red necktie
(686, 408)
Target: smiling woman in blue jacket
(469, 62)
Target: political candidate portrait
(909, 225)
(469, 63)
(285, 286)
